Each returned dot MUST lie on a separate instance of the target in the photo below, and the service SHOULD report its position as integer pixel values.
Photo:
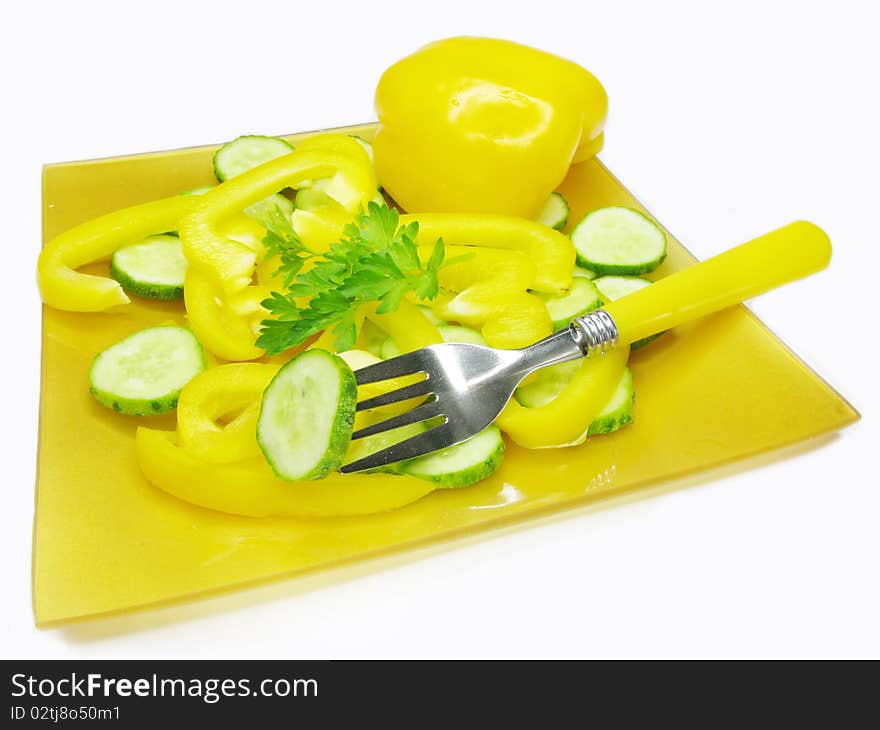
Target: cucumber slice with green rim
(371, 444)
(615, 287)
(618, 240)
(548, 384)
(554, 212)
(579, 273)
(619, 410)
(461, 465)
(313, 196)
(247, 152)
(262, 209)
(583, 297)
(143, 374)
(457, 333)
(551, 382)
(307, 415)
(153, 268)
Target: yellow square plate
(105, 540)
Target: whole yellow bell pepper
(483, 125)
(62, 287)
(230, 264)
(249, 487)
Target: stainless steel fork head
(466, 386)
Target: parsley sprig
(377, 260)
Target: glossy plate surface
(105, 540)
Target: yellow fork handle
(789, 253)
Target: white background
(724, 122)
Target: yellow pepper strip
(492, 294)
(567, 417)
(551, 251)
(519, 322)
(63, 287)
(213, 394)
(407, 326)
(250, 488)
(219, 325)
(480, 125)
(230, 264)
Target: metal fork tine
(422, 443)
(429, 409)
(394, 396)
(396, 367)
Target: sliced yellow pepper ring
(218, 323)
(245, 231)
(250, 488)
(551, 251)
(63, 287)
(518, 322)
(213, 394)
(230, 264)
(492, 286)
(567, 417)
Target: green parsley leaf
(376, 260)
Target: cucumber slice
(306, 416)
(153, 268)
(619, 410)
(314, 196)
(548, 384)
(247, 152)
(461, 465)
(554, 212)
(583, 297)
(618, 241)
(262, 209)
(579, 273)
(456, 333)
(615, 287)
(378, 441)
(551, 382)
(143, 374)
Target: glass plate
(105, 540)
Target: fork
(465, 387)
